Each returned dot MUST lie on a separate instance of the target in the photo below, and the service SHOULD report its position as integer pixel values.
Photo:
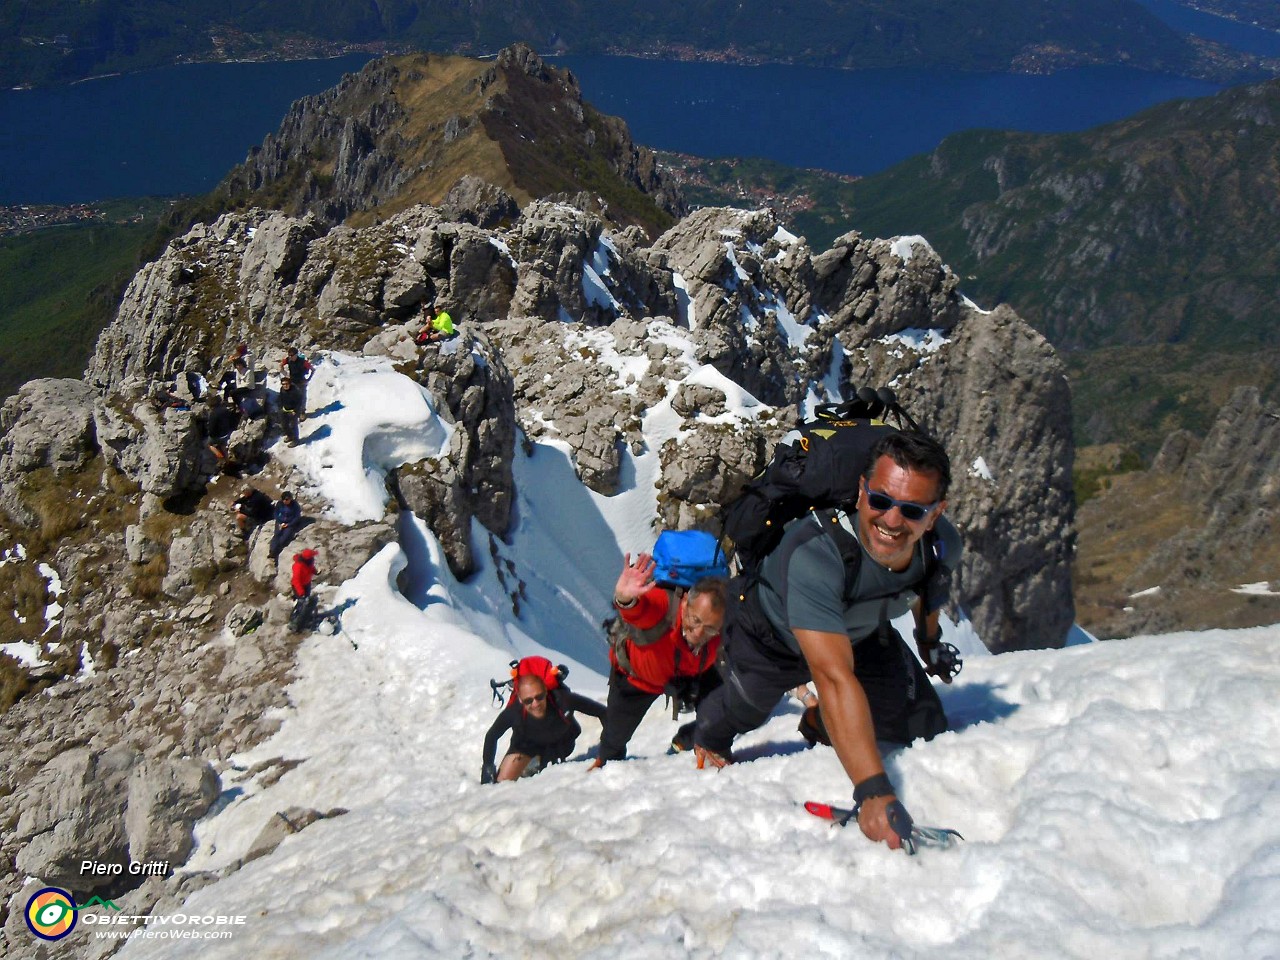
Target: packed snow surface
(1259, 589)
(904, 248)
(1118, 799)
(980, 469)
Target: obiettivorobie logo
(52, 912)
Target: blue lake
(1244, 37)
(855, 122)
(159, 132)
(180, 129)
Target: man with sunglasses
(669, 642)
(820, 610)
(542, 728)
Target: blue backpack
(684, 557)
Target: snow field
(1118, 800)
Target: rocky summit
(146, 629)
(435, 129)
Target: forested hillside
(62, 40)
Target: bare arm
(847, 716)
(586, 706)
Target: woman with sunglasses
(543, 729)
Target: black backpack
(819, 470)
(817, 466)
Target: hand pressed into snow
(873, 820)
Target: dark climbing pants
(623, 712)
(287, 422)
(627, 705)
(304, 613)
(758, 673)
(280, 539)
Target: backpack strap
(620, 631)
(559, 698)
(930, 547)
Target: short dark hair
(286, 495)
(714, 589)
(913, 451)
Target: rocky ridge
(407, 129)
(572, 331)
(1182, 546)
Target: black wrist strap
(877, 786)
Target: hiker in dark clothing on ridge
(252, 509)
(666, 650)
(221, 423)
(298, 369)
(289, 404)
(227, 386)
(542, 728)
(287, 515)
(801, 621)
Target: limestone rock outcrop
(681, 360)
(111, 806)
(46, 424)
(577, 332)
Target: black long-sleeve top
(555, 726)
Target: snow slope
(1118, 799)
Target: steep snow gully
(1118, 799)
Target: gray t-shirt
(812, 577)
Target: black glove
(488, 773)
(900, 822)
(942, 660)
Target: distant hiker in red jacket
(304, 571)
(304, 605)
(669, 644)
(542, 727)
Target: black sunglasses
(910, 510)
(536, 698)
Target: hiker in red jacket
(304, 605)
(667, 642)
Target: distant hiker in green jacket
(439, 329)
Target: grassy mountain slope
(58, 288)
(60, 40)
(405, 129)
(1154, 229)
